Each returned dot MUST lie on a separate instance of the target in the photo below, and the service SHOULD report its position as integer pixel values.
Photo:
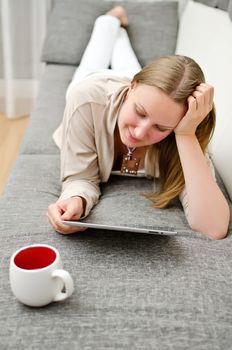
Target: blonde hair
(177, 76)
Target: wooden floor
(11, 134)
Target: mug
(37, 277)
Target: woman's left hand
(200, 103)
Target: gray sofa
(132, 291)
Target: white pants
(109, 46)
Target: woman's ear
(132, 87)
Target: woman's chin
(129, 143)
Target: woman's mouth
(131, 138)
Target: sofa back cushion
(230, 9)
(205, 34)
(220, 4)
(152, 28)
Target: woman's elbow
(216, 234)
(217, 231)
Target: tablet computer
(158, 231)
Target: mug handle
(68, 283)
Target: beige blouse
(86, 137)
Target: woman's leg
(124, 60)
(98, 52)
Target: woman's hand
(200, 103)
(68, 209)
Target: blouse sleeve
(183, 195)
(79, 159)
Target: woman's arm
(79, 167)
(208, 210)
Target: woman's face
(147, 116)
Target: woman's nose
(141, 130)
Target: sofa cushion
(132, 291)
(32, 185)
(152, 28)
(209, 43)
(221, 4)
(230, 9)
(122, 195)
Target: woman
(158, 123)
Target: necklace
(130, 165)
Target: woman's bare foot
(120, 13)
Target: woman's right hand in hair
(67, 209)
(200, 103)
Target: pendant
(130, 165)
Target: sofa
(132, 291)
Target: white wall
(23, 27)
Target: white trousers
(109, 46)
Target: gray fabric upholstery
(230, 9)
(33, 184)
(152, 29)
(132, 291)
(121, 199)
(225, 5)
(221, 4)
(48, 111)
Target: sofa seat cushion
(157, 292)
(208, 41)
(152, 28)
(121, 203)
(32, 185)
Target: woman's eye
(157, 127)
(142, 115)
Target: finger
(205, 86)
(200, 99)
(208, 91)
(192, 103)
(211, 96)
(67, 230)
(70, 214)
(54, 212)
(54, 216)
(73, 210)
(198, 94)
(62, 228)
